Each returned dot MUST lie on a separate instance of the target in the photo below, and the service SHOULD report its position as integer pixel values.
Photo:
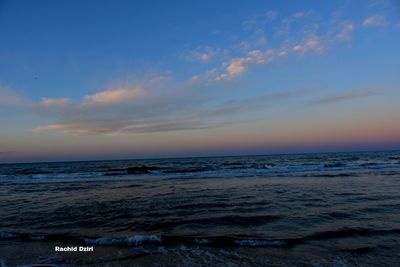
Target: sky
(90, 80)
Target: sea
(314, 209)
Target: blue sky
(121, 79)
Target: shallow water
(305, 209)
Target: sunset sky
(84, 80)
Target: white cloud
(378, 4)
(283, 53)
(349, 96)
(74, 128)
(54, 102)
(375, 20)
(172, 111)
(262, 40)
(347, 28)
(262, 57)
(271, 14)
(49, 127)
(300, 33)
(204, 53)
(237, 66)
(113, 96)
(244, 45)
(234, 68)
(310, 43)
(249, 24)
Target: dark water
(338, 209)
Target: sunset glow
(89, 80)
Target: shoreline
(39, 252)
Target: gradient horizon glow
(82, 80)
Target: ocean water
(330, 209)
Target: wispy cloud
(9, 98)
(203, 53)
(237, 66)
(271, 14)
(120, 128)
(375, 20)
(54, 102)
(378, 3)
(297, 34)
(145, 108)
(234, 68)
(311, 43)
(346, 97)
(170, 108)
(347, 28)
(113, 96)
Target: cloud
(234, 68)
(113, 96)
(119, 128)
(49, 106)
(347, 28)
(261, 57)
(300, 33)
(9, 98)
(271, 14)
(249, 24)
(172, 107)
(146, 108)
(377, 3)
(311, 43)
(50, 127)
(203, 53)
(54, 102)
(116, 127)
(154, 105)
(237, 66)
(345, 97)
(303, 20)
(375, 20)
(283, 53)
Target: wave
(31, 171)
(332, 175)
(211, 241)
(243, 221)
(215, 241)
(7, 235)
(186, 170)
(252, 166)
(136, 240)
(350, 232)
(334, 165)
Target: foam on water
(130, 241)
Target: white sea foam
(258, 243)
(38, 237)
(139, 239)
(5, 235)
(39, 265)
(136, 240)
(3, 263)
(202, 241)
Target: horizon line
(215, 156)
